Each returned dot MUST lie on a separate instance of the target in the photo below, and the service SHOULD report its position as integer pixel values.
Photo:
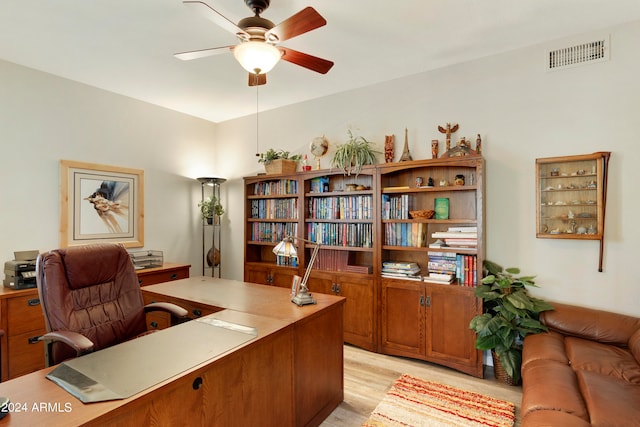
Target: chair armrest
(168, 307)
(78, 342)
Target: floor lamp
(286, 248)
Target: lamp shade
(285, 248)
(257, 57)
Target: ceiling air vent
(579, 54)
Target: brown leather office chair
(91, 299)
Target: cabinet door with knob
(431, 322)
(359, 309)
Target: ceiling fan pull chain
(257, 123)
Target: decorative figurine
(478, 144)
(434, 148)
(448, 131)
(419, 181)
(459, 180)
(389, 148)
(405, 153)
(430, 182)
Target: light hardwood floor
(368, 376)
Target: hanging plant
(354, 154)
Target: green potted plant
(279, 161)
(210, 207)
(509, 314)
(354, 154)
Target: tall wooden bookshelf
(413, 318)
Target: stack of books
(401, 270)
(458, 237)
(442, 267)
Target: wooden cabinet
(360, 307)
(21, 351)
(362, 221)
(22, 320)
(571, 197)
(430, 322)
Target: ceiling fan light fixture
(256, 56)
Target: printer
(20, 273)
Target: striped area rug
(415, 402)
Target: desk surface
(271, 361)
(246, 297)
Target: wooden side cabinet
(430, 322)
(22, 320)
(359, 307)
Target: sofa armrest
(597, 325)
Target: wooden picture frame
(101, 203)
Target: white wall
(44, 118)
(522, 113)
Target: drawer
(151, 278)
(24, 314)
(26, 354)
(158, 320)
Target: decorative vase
(213, 257)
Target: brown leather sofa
(584, 371)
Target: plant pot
(281, 167)
(499, 372)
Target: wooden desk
(291, 374)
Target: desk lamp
(286, 248)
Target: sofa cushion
(611, 401)
(597, 325)
(544, 346)
(548, 418)
(603, 359)
(550, 385)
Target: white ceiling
(127, 46)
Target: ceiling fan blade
(305, 60)
(305, 20)
(261, 79)
(202, 53)
(217, 18)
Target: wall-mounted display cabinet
(366, 223)
(571, 193)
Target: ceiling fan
(258, 51)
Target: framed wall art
(100, 203)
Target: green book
(441, 206)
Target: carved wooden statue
(389, 148)
(448, 131)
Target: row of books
(287, 261)
(279, 187)
(405, 234)
(449, 267)
(319, 184)
(457, 237)
(272, 231)
(401, 270)
(331, 260)
(341, 207)
(443, 268)
(274, 208)
(341, 234)
(396, 207)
